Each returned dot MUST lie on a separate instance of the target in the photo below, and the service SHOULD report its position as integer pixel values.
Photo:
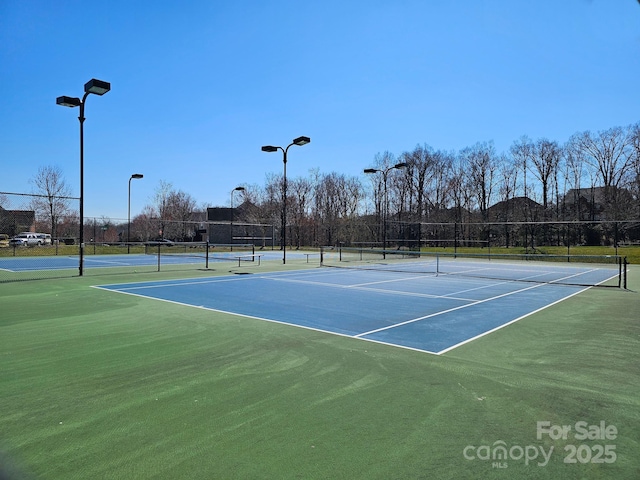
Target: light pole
(97, 87)
(385, 212)
(270, 148)
(237, 189)
(136, 176)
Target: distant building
(13, 222)
(240, 225)
(517, 209)
(598, 203)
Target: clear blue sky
(199, 86)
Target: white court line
(164, 283)
(105, 262)
(448, 296)
(389, 327)
(243, 315)
(509, 323)
(187, 281)
(359, 336)
(402, 279)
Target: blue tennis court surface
(422, 312)
(29, 264)
(35, 263)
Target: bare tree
(52, 196)
(161, 206)
(252, 210)
(522, 152)
(336, 204)
(457, 187)
(634, 180)
(381, 161)
(181, 207)
(301, 192)
(576, 172)
(610, 153)
(270, 199)
(507, 179)
(506, 183)
(144, 225)
(429, 173)
(461, 195)
(442, 165)
(174, 212)
(545, 159)
(482, 165)
(419, 162)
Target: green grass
(95, 384)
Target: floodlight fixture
(134, 176)
(237, 189)
(97, 87)
(68, 101)
(300, 141)
(385, 211)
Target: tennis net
(580, 270)
(239, 252)
(199, 252)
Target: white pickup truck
(30, 239)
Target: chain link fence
(33, 230)
(39, 239)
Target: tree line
(592, 177)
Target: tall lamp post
(385, 212)
(136, 176)
(237, 189)
(97, 87)
(270, 148)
